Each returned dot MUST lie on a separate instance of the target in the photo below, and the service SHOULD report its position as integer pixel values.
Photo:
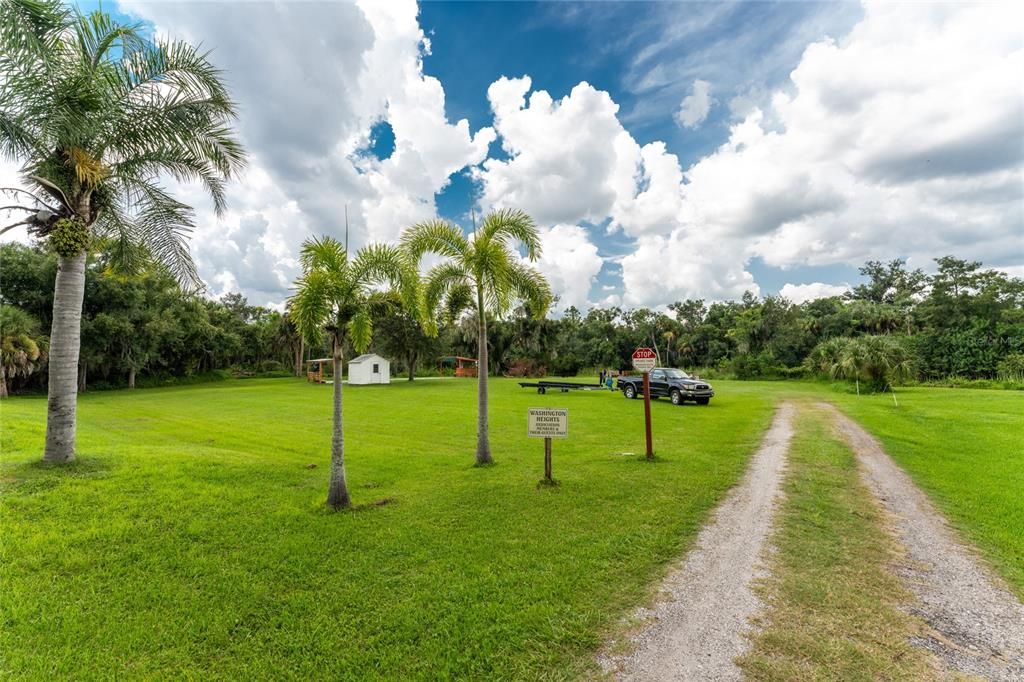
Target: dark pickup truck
(674, 383)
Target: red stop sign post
(644, 360)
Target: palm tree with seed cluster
(485, 275)
(96, 112)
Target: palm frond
(164, 225)
(385, 264)
(97, 33)
(383, 303)
(512, 224)
(30, 28)
(53, 190)
(147, 224)
(323, 253)
(491, 261)
(173, 65)
(117, 237)
(530, 287)
(16, 138)
(360, 330)
(434, 236)
(459, 299)
(440, 280)
(312, 305)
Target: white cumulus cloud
(306, 112)
(888, 142)
(801, 293)
(570, 263)
(696, 106)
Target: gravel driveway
(978, 625)
(697, 631)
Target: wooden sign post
(548, 423)
(644, 360)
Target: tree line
(963, 321)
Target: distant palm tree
(670, 342)
(483, 274)
(22, 348)
(339, 296)
(878, 360)
(97, 112)
(285, 338)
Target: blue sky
(666, 150)
(560, 44)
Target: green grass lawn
(965, 448)
(190, 538)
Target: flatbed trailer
(563, 386)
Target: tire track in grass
(698, 631)
(978, 624)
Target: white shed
(369, 368)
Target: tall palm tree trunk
(3, 380)
(65, 343)
(483, 441)
(337, 493)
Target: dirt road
(978, 625)
(697, 631)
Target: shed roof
(364, 357)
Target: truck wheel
(703, 401)
(677, 397)
(630, 392)
(541, 390)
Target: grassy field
(833, 604)
(190, 537)
(965, 448)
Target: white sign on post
(548, 422)
(644, 359)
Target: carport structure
(464, 367)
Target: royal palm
(484, 274)
(97, 113)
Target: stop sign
(644, 359)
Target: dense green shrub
(1011, 368)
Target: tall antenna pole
(346, 228)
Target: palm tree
(879, 360)
(670, 342)
(483, 274)
(340, 297)
(97, 112)
(22, 349)
(286, 339)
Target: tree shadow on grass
(37, 476)
(638, 458)
(357, 508)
